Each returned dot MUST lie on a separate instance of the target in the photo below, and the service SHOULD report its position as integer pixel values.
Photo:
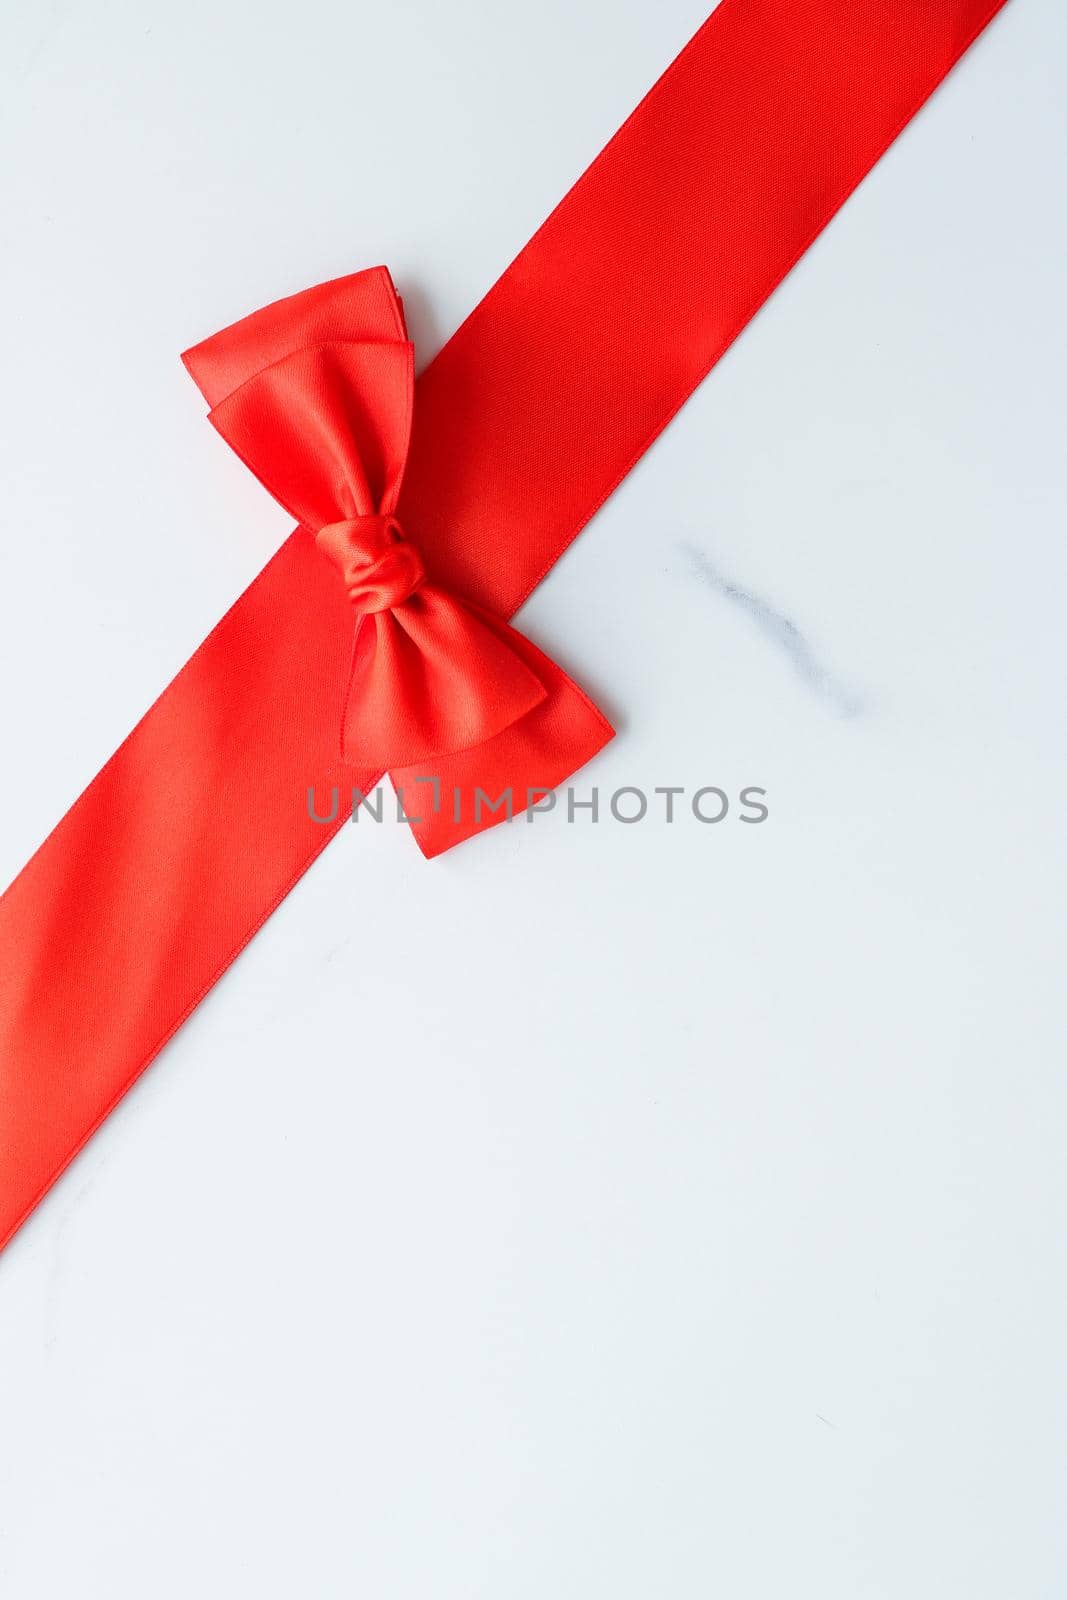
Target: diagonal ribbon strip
(534, 411)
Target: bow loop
(326, 429)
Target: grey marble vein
(783, 632)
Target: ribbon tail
(459, 795)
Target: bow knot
(380, 567)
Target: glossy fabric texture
(531, 414)
(326, 428)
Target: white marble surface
(694, 1224)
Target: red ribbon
(326, 428)
(523, 425)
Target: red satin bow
(326, 428)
